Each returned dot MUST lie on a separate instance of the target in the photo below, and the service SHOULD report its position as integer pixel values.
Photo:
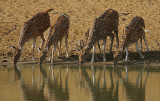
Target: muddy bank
(152, 58)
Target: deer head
(117, 55)
(80, 50)
(16, 54)
(42, 55)
(83, 43)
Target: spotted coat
(132, 33)
(59, 29)
(33, 28)
(102, 27)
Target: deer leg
(144, 38)
(66, 42)
(139, 51)
(104, 48)
(33, 46)
(126, 59)
(116, 34)
(54, 48)
(43, 40)
(112, 39)
(137, 48)
(93, 53)
(59, 48)
(141, 44)
(99, 48)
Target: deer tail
(48, 10)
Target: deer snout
(42, 56)
(41, 59)
(117, 58)
(15, 62)
(114, 62)
(16, 58)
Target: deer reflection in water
(34, 93)
(29, 93)
(135, 92)
(99, 93)
(102, 83)
(54, 86)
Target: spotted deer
(83, 41)
(33, 28)
(132, 33)
(59, 30)
(102, 27)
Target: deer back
(58, 30)
(103, 26)
(134, 31)
(56, 33)
(34, 27)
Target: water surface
(76, 83)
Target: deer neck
(125, 42)
(23, 35)
(21, 44)
(90, 42)
(123, 45)
(49, 44)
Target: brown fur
(133, 32)
(102, 27)
(59, 29)
(33, 28)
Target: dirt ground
(13, 14)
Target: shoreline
(152, 58)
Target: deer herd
(102, 27)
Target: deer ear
(12, 47)
(38, 48)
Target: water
(75, 83)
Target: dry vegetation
(13, 13)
